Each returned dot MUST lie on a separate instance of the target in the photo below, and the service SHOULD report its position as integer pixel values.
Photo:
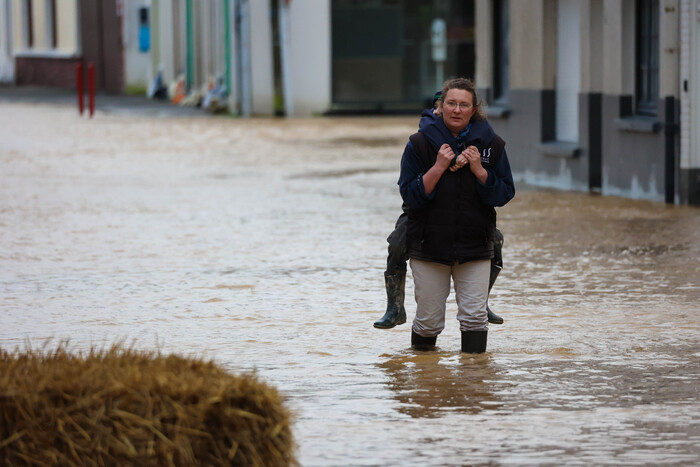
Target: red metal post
(91, 87)
(79, 85)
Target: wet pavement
(260, 244)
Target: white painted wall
(67, 23)
(137, 64)
(694, 156)
(619, 50)
(592, 46)
(7, 61)
(18, 32)
(309, 52)
(68, 34)
(568, 69)
(690, 72)
(669, 22)
(483, 12)
(532, 39)
(526, 57)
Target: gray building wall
(618, 152)
(633, 155)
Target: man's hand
(461, 162)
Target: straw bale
(124, 407)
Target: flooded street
(261, 244)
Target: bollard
(79, 85)
(91, 87)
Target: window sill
(47, 53)
(559, 149)
(497, 111)
(638, 124)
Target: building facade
(44, 40)
(594, 97)
(591, 95)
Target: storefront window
(382, 53)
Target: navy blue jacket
(457, 221)
(499, 187)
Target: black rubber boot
(419, 342)
(395, 291)
(474, 341)
(493, 317)
(495, 270)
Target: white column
(483, 12)
(310, 56)
(7, 64)
(568, 69)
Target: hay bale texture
(124, 407)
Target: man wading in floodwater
(395, 274)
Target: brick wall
(43, 71)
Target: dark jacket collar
(480, 132)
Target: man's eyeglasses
(453, 105)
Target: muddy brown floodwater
(261, 244)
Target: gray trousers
(432, 287)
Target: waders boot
(474, 341)
(419, 342)
(493, 317)
(395, 312)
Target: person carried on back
(448, 219)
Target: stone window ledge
(638, 124)
(45, 54)
(559, 149)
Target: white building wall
(694, 88)
(568, 69)
(592, 46)
(483, 12)
(67, 34)
(690, 84)
(685, 81)
(41, 40)
(137, 64)
(68, 25)
(18, 29)
(7, 61)
(618, 52)
(669, 22)
(309, 53)
(533, 35)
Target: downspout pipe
(283, 28)
(227, 43)
(189, 19)
(670, 130)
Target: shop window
(501, 53)
(28, 24)
(51, 33)
(382, 55)
(647, 59)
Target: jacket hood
(479, 133)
